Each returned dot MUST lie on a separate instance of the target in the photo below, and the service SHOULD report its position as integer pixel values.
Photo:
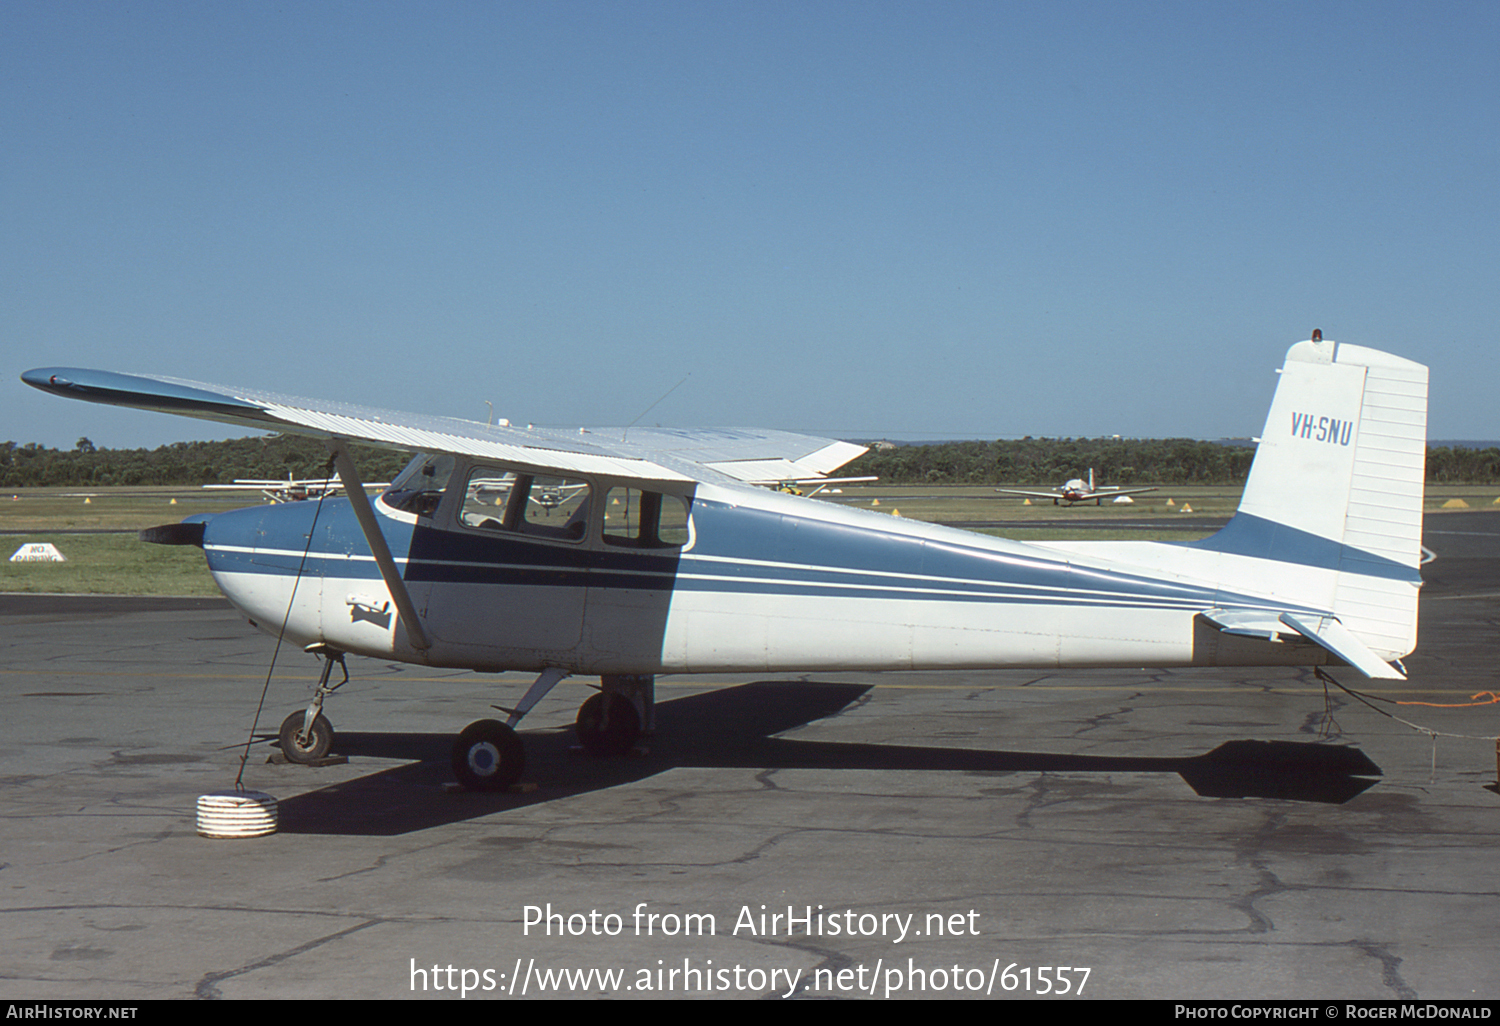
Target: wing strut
(355, 487)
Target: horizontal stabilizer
(1337, 638)
(1247, 623)
(1324, 631)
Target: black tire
(608, 724)
(488, 756)
(305, 749)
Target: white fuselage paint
(988, 602)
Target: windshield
(419, 488)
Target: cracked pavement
(1057, 808)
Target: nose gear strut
(307, 736)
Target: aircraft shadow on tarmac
(735, 727)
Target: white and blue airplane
(666, 558)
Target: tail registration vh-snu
(566, 553)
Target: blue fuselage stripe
(736, 551)
(1250, 535)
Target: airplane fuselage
(762, 582)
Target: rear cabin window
(644, 520)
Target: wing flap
(805, 469)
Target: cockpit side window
(538, 505)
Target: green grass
(119, 509)
(948, 505)
(971, 503)
(119, 564)
(108, 564)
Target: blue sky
(912, 220)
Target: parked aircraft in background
(817, 484)
(670, 559)
(496, 492)
(290, 490)
(1077, 490)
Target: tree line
(1024, 461)
(183, 463)
(1116, 461)
(1050, 461)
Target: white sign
(38, 552)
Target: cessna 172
(1077, 490)
(670, 561)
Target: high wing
(653, 455)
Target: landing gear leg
(307, 736)
(611, 722)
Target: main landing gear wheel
(488, 756)
(608, 724)
(305, 748)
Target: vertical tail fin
(1337, 485)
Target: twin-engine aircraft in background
(1077, 490)
(666, 558)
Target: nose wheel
(306, 735)
(306, 744)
